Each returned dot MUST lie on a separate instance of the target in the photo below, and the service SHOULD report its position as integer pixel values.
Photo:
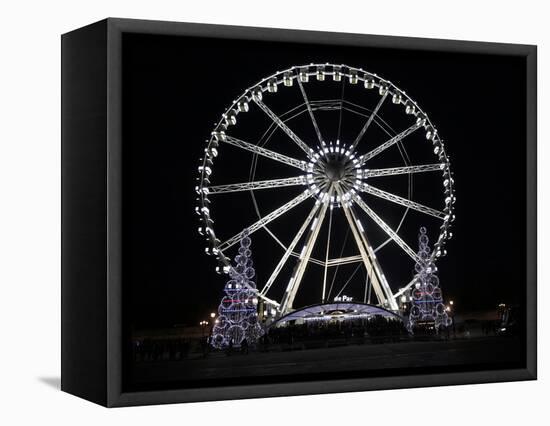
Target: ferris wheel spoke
(369, 189)
(392, 171)
(344, 260)
(326, 258)
(348, 281)
(264, 152)
(289, 250)
(311, 115)
(266, 219)
(288, 115)
(390, 142)
(284, 127)
(299, 270)
(369, 121)
(261, 184)
(326, 105)
(374, 271)
(269, 301)
(404, 289)
(390, 301)
(387, 229)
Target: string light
(426, 295)
(238, 310)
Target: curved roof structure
(331, 311)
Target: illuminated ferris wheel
(334, 175)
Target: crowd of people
(376, 329)
(167, 349)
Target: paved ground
(338, 359)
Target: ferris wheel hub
(335, 170)
(332, 167)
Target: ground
(489, 351)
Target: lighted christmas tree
(427, 299)
(238, 312)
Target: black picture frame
(92, 361)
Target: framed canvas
(253, 212)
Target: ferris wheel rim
(296, 72)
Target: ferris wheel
(303, 142)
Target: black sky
(175, 88)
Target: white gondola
(272, 85)
(337, 73)
(320, 74)
(369, 83)
(257, 94)
(243, 106)
(287, 79)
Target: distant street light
(203, 325)
(451, 302)
(213, 315)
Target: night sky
(175, 88)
